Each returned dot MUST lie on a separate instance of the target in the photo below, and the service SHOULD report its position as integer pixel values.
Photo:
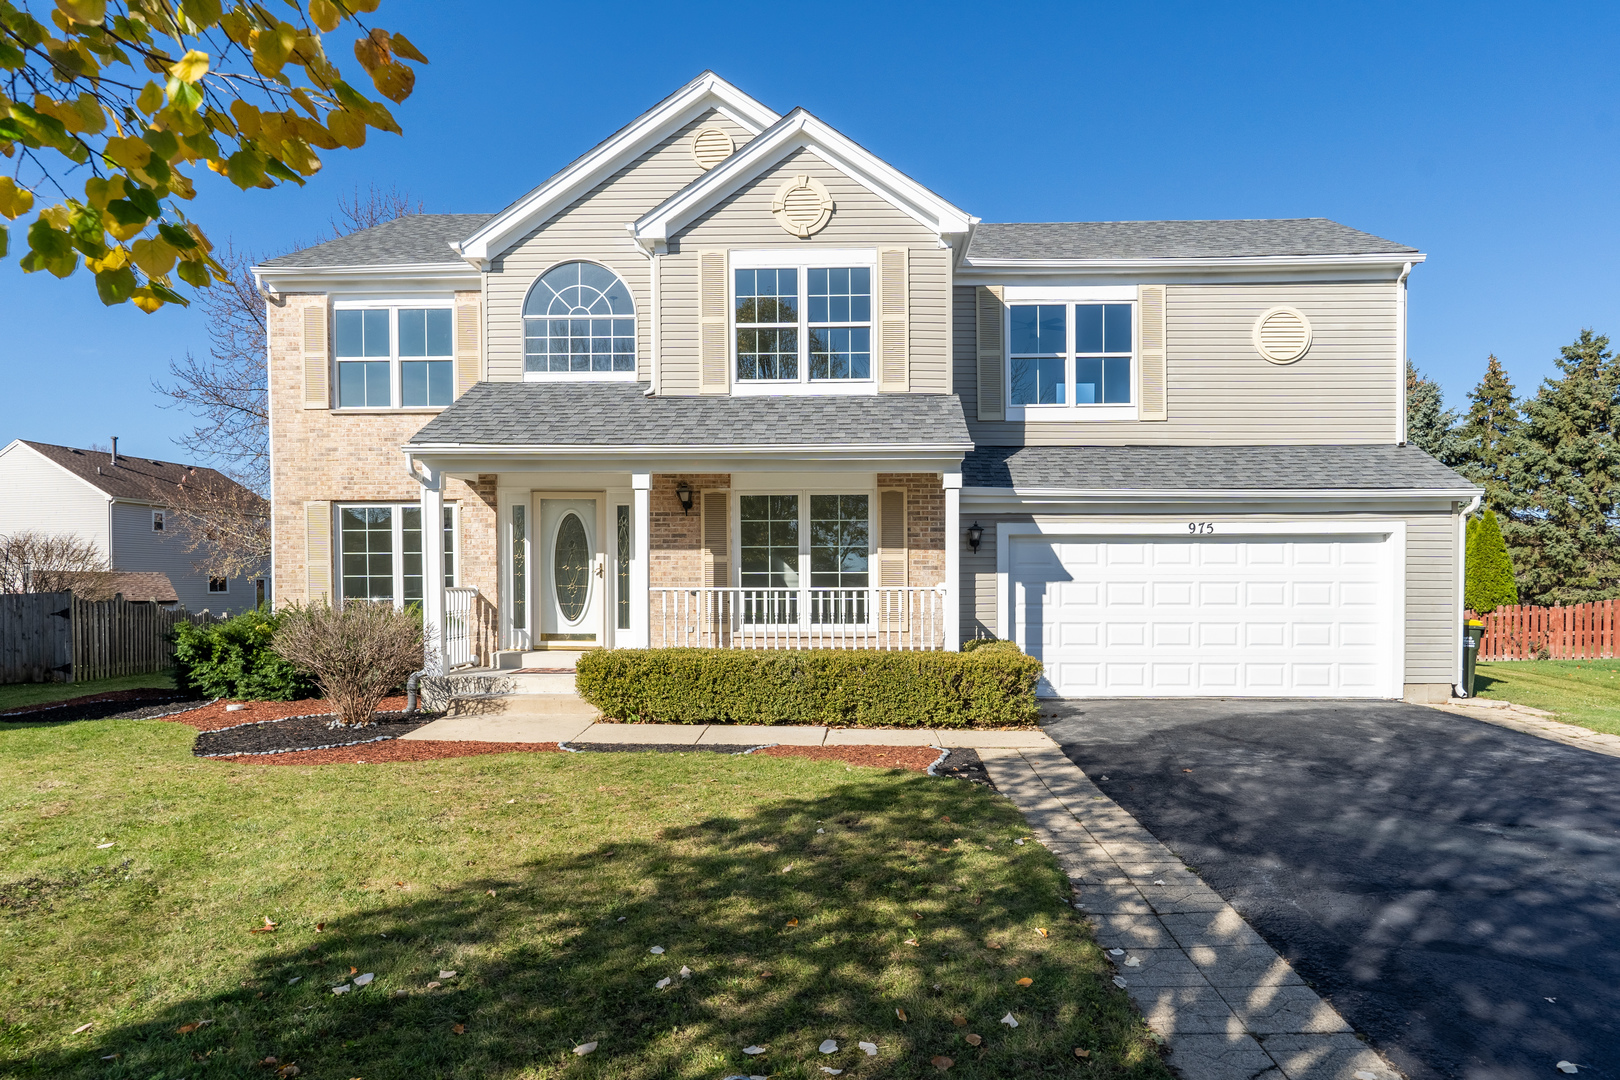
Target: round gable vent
(1282, 335)
(711, 146)
(802, 206)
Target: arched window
(579, 318)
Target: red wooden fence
(1577, 632)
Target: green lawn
(16, 695)
(544, 880)
(1584, 692)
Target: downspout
(1462, 582)
(1400, 348)
(649, 248)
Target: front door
(571, 579)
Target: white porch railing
(877, 618)
(458, 626)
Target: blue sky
(1484, 134)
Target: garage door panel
(1218, 593)
(1216, 635)
(1172, 633)
(1124, 633)
(1312, 635)
(1123, 593)
(1265, 593)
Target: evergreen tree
(1563, 480)
(1484, 439)
(1428, 422)
(1488, 582)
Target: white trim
(799, 130)
(1068, 294)
(1394, 531)
(640, 575)
(160, 520)
(1214, 494)
(1047, 266)
(952, 483)
(396, 374)
(707, 91)
(583, 376)
(903, 450)
(419, 277)
(1072, 409)
(429, 480)
(802, 260)
(1400, 354)
(774, 258)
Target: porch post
(640, 581)
(433, 570)
(953, 560)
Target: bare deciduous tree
(357, 653)
(226, 528)
(36, 562)
(375, 207)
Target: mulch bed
(385, 753)
(964, 764)
(214, 717)
(144, 704)
(303, 733)
(915, 758)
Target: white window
(804, 556)
(218, 585)
(380, 551)
(579, 322)
(157, 521)
(802, 320)
(1071, 360)
(394, 356)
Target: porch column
(953, 560)
(433, 570)
(641, 541)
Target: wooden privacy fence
(50, 637)
(1575, 632)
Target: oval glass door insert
(571, 570)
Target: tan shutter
(318, 552)
(716, 547)
(893, 320)
(469, 357)
(317, 364)
(992, 370)
(1155, 378)
(892, 562)
(714, 324)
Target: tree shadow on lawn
(560, 956)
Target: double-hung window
(1065, 360)
(380, 552)
(773, 547)
(801, 321)
(393, 357)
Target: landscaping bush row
(843, 688)
(234, 659)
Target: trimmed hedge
(232, 659)
(837, 687)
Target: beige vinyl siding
(593, 228)
(1431, 581)
(1346, 389)
(860, 219)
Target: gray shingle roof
(1209, 468)
(620, 414)
(1174, 239)
(413, 240)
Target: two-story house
(729, 379)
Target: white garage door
(1283, 616)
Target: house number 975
(1200, 528)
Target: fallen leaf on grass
(353, 970)
(787, 868)
(109, 844)
(945, 817)
(364, 980)
(686, 972)
(287, 1071)
(268, 927)
(319, 927)
(993, 945)
(111, 1057)
(819, 831)
(793, 922)
(831, 1071)
(187, 1029)
(901, 1013)
(1026, 981)
(294, 980)
(911, 941)
(489, 892)
(1041, 930)
(959, 1021)
(752, 1050)
(661, 983)
(434, 985)
(1009, 1021)
(459, 1029)
(1020, 843)
(941, 1062)
(344, 989)
(584, 1048)
(83, 1027)
(973, 1040)
(870, 1048)
(447, 974)
(657, 950)
(402, 993)
(829, 1046)
(766, 974)
(1079, 1053)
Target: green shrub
(975, 644)
(233, 659)
(1488, 576)
(837, 687)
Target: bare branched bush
(225, 526)
(36, 562)
(357, 653)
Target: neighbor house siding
(40, 495)
(860, 219)
(1346, 389)
(1431, 578)
(137, 547)
(593, 228)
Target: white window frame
(396, 381)
(397, 546)
(1069, 296)
(802, 259)
(763, 486)
(160, 521)
(580, 376)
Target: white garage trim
(1393, 531)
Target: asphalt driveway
(1452, 887)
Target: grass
(1584, 692)
(16, 695)
(544, 880)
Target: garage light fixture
(684, 494)
(975, 533)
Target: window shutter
(1155, 378)
(317, 365)
(893, 320)
(714, 324)
(716, 547)
(992, 371)
(318, 552)
(469, 357)
(892, 569)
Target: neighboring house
(136, 586)
(121, 504)
(730, 379)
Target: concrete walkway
(1532, 722)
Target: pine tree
(1563, 475)
(1429, 423)
(1484, 438)
(1488, 583)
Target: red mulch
(385, 753)
(915, 758)
(146, 694)
(214, 717)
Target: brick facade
(676, 539)
(925, 524)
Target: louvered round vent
(711, 146)
(802, 206)
(1282, 335)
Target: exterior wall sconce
(684, 494)
(975, 533)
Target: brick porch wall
(925, 524)
(676, 540)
